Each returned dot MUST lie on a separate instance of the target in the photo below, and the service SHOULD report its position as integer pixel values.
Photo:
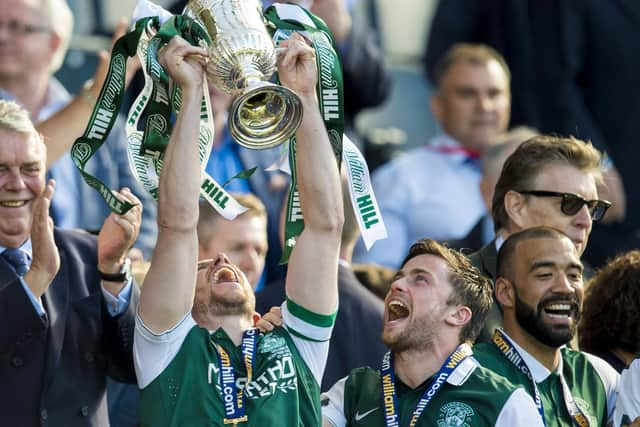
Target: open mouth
(397, 310)
(225, 275)
(13, 203)
(557, 310)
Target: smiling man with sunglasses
(547, 181)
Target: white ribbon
(146, 169)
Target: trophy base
(264, 115)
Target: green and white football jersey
(471, 396)
(179, 373)
(591, 381)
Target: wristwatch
(122, 276)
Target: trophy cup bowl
(241, 60)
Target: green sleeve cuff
(320, 320)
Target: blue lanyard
(389, 396)
(509, 351)
(232, 398)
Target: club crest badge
(455, 414)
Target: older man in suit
(66, 301)
(547, 181)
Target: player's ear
(256, 317)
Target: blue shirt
(425, 193)
(224, 163)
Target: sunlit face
(22, 168)
(545, 211)
(548, 289)
(222, 289)
(416, 304)
(244, 241)
(473, 103)
(27, 44)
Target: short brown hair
(209, 216)
(469, 53)
(470, 287)
(611, 311)
(524, 165)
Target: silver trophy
(242, 58)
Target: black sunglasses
(572, 203)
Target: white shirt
(424, 193)
(628, 403)
(608, 376)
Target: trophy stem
(247, 74)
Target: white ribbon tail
(363, 199)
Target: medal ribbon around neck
(510, 352)
(389, 396)
(232, 397)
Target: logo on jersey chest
(276, 370)
(455, 414)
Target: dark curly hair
(611, 312)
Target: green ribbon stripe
(107, 106)
(331, 98)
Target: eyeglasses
(18, 28)
(572, 203)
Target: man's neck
(29, 91)
(233, 325)
(624, 356)
(413, 367)
(549, 357)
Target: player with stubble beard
(434, 309)
(199, 361)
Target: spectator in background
(33, 44)
(66, 301)
(540, 289)
(573, 74)
(434, 190)
(523, 31)
(610, 324)
(547, 181)
(492, 160)
(243, 240)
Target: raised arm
(169, 287)
(313, 267)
